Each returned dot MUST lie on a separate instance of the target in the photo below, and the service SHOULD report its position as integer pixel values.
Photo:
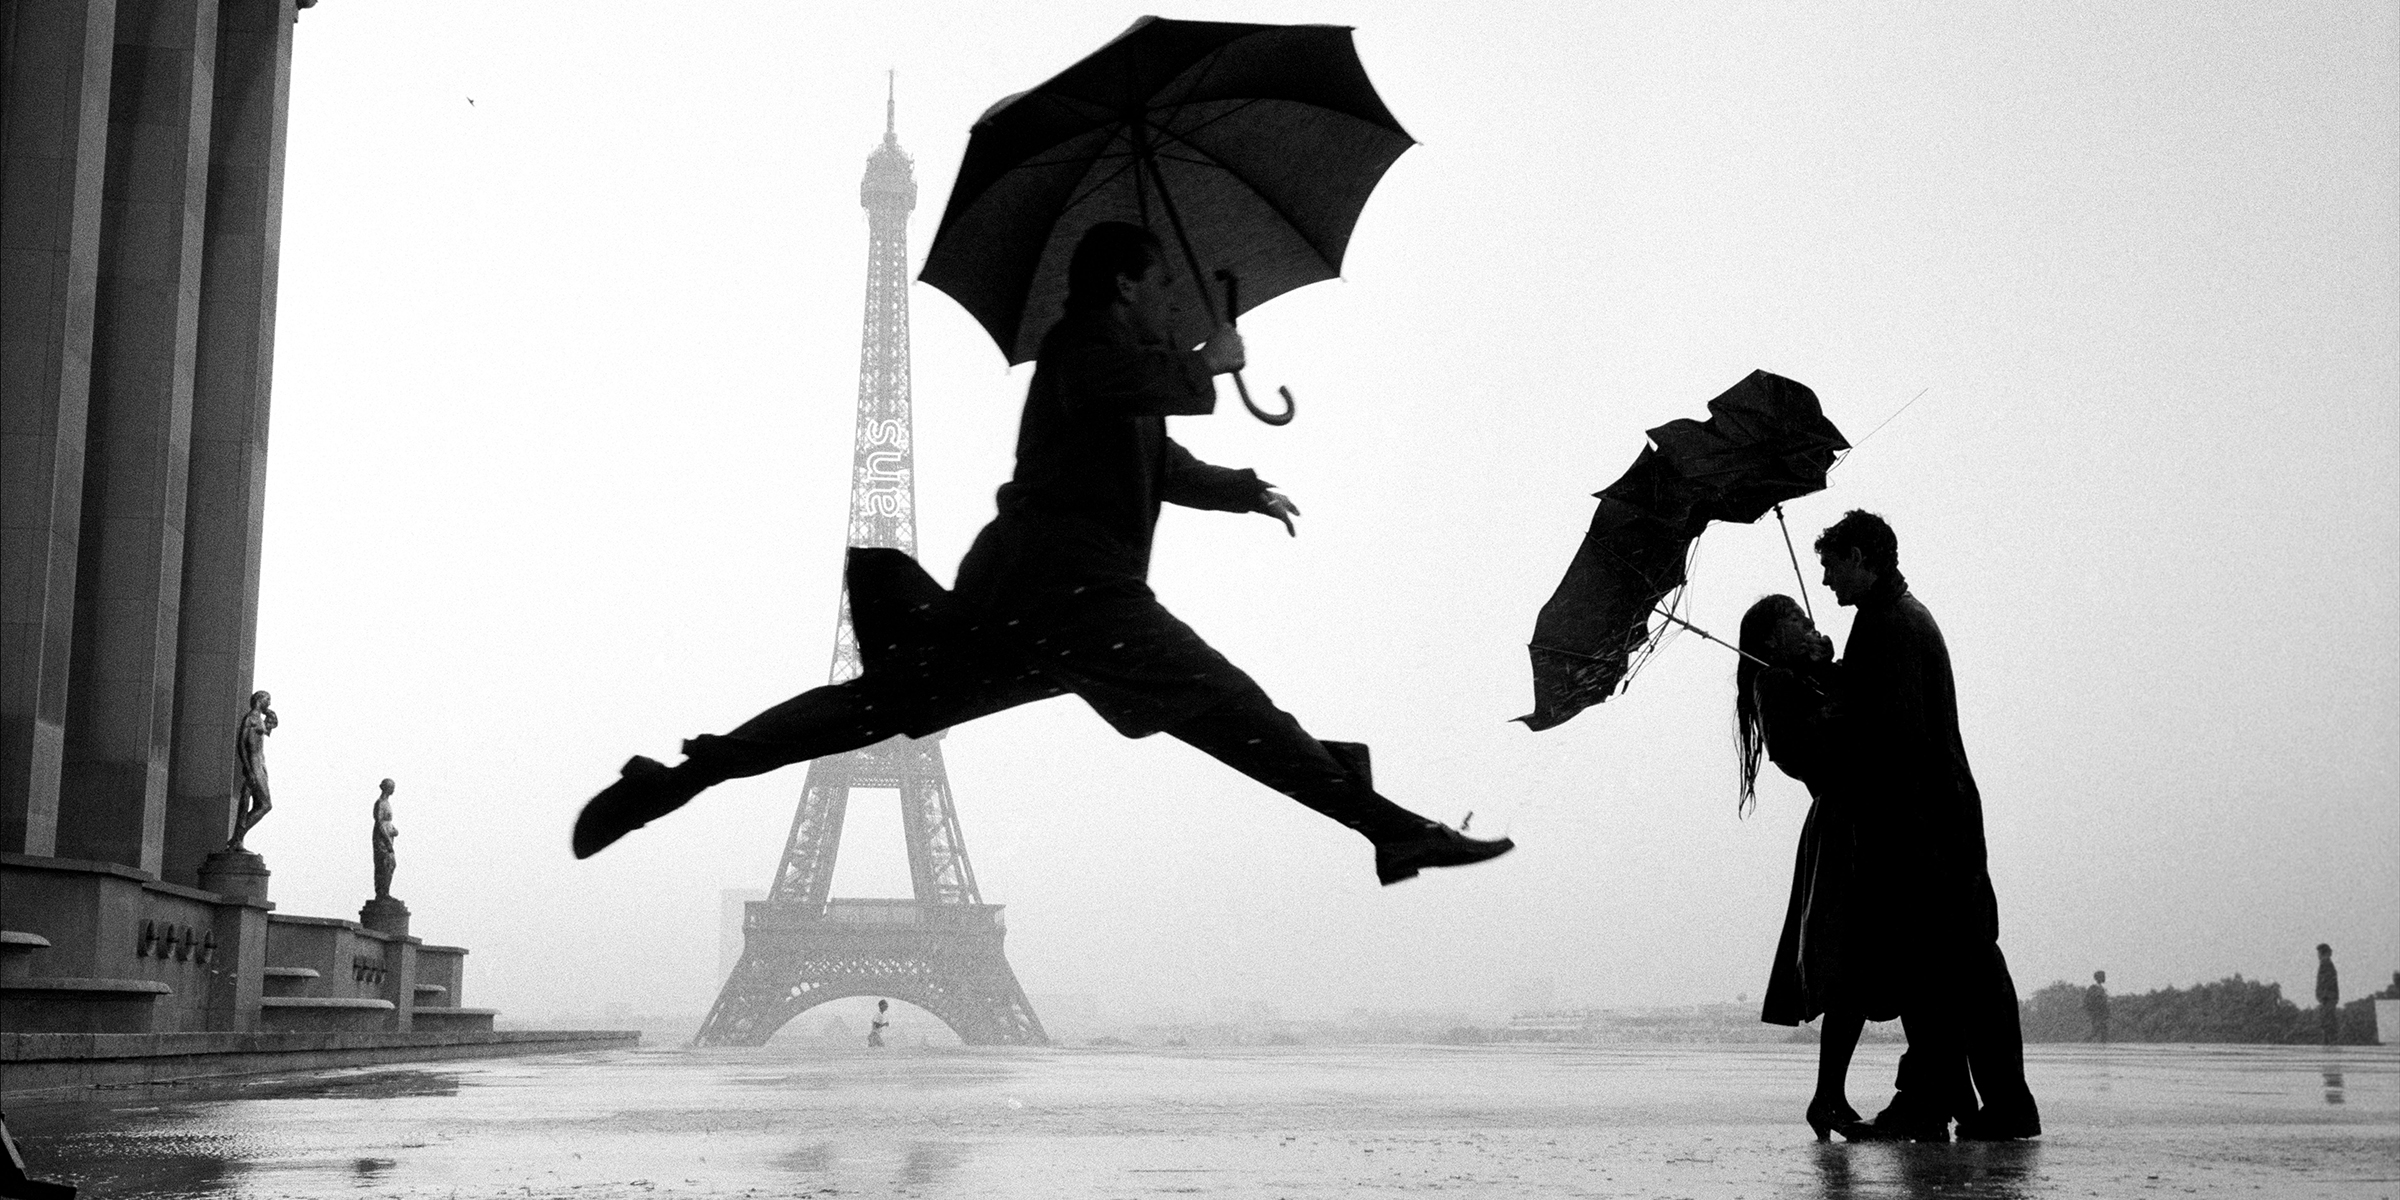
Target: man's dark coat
(1919, 796)
(1917, 788)
(1054, 594)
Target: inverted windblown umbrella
(1248, 149)
(1765, 441)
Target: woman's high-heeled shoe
(1824, 1116)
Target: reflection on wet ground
(1282, 1121)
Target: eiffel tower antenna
(940, 949)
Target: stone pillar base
(385, 914)
(239, 874)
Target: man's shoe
(644, 791)
(1435, 845)
(1897, 1124)
(1989, 1126)
(1880, 1130)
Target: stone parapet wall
(115, 927)
(100, 948)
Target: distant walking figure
(2095, 1006)
(876, 1027)
(1054, 596)
(1902, 706)
(2329, 996)
(1835, 957)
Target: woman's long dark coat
(1835, 954)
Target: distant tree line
(2230, 1010)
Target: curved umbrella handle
(1290, 406)
(1233, 307)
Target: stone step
(323, 1014)
(454, 1019)
(78, 1004)
(284, 982)
(16, 952)
(89, 985)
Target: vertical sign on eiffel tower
(940, 951)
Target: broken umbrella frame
(1765, 441)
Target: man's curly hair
(1863, 531)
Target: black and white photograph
(1720, 599)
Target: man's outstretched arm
(1195, 484)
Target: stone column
(53, 145)
(129, 574)
(225, 492)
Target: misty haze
(628, 362)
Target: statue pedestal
(385, 914)
(236, 873)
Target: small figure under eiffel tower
(1053, 596)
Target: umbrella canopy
(1245, 148)
(1765, 441)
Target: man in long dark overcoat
(1921, 807)
(1054, 595)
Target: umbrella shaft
(1797, 573)
(1191, 262)
(1166, 200)
(1711, 637)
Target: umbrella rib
(1131, 163)
(1034, 164)
(1070, 160)
(1178, 106)
(1278, 209)
(1196, 162)
(1563, 650)
(1085, 107)
(1198, 72)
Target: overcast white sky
(563, 408)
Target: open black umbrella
(1249, 149)
(1765, 441)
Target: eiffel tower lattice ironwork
(940, 950)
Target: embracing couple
(1892, 912)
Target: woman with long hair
(1786, 710)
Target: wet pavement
(1556, 1120)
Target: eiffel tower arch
(940, 950)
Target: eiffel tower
(940, 951)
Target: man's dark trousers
(1964, 1039)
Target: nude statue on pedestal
(250, 759)
(382, 837)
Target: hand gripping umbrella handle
(1233, 306)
